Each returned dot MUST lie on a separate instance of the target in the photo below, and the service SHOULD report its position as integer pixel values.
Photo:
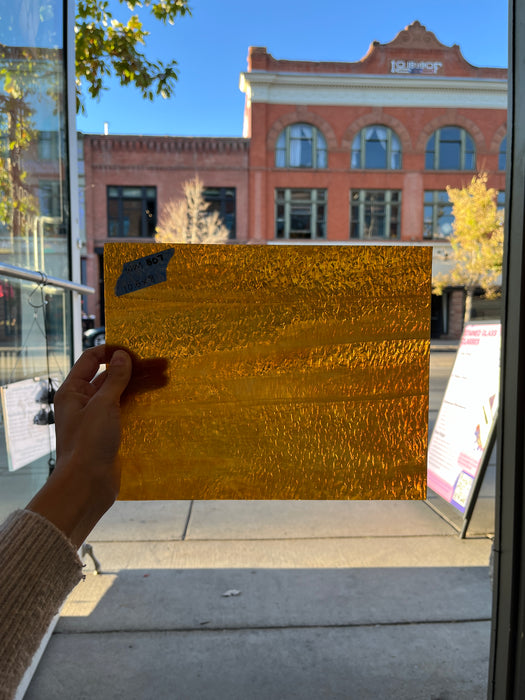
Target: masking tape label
(143, 272)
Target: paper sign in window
(291, 372)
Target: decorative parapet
(415, 51)
(167, 144)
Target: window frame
(436, 205)
(221, 199)
(318, 197)
(463, 152)
(361, 136)
(145, 224)
(361, 203)
(317, 137)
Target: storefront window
(34, 215)
(375, 214)
(300, 214)
(438, 218)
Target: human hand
(86, 479)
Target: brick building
(331, 152)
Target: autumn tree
(476, 240)
(189, 220)
(20, 76)
(107, 45)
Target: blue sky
(211, 48)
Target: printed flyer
(466, 415)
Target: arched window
(376, 147)
(300, 146)
(450, 148)
(502, 158)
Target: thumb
(118, 376)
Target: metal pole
(41, 278)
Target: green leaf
(109, 45)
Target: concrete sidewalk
(275, 600)
(350, 600)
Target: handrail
(43, 279)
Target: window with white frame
(375, 214)
(376, 147)
(300, 213)
(438, 218)
(301, 146)
(450, 148)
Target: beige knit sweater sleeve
(38, 568)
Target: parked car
(94, 336)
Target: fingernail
(119, 358)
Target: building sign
(415, 67)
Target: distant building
(331, 152)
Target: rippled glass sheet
(292, 371)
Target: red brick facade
(154, 161)
(413, 86)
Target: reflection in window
(50, 198)
(132, 212)
(502, 157)
(48, 146)
(450, 148)
(375, 214)
(376, 147)
(33, 156)
(222, 200)
(300, 214)
(34, 207)
(438, 219)
(300, 146)
(10, 305)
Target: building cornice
(374, 90)
(167, 144)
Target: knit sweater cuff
(39, 567)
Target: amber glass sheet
(292, 371)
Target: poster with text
(466, 415)
(29, 434)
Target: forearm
(38, 568)
(39, 564)
(73, 501)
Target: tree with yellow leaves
(476, 240)
(189, 220)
